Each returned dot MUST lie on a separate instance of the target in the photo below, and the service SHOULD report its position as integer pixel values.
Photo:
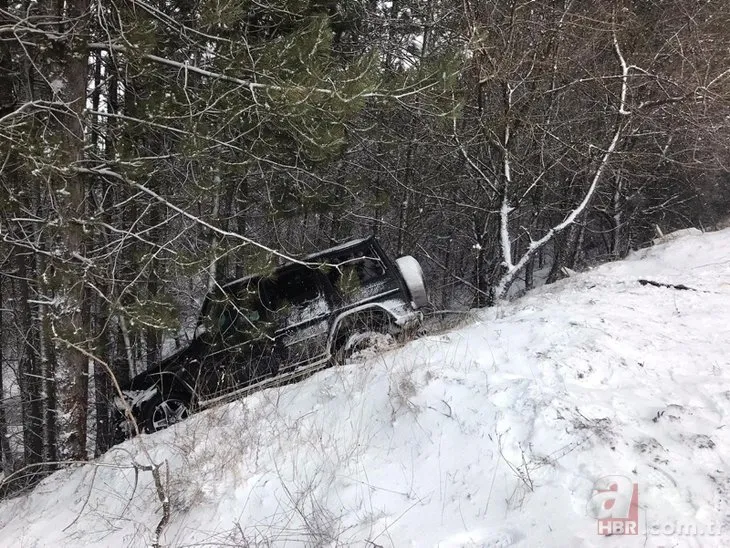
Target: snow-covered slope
(490, 435)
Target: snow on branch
(513, 269)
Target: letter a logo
(614, 503)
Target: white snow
(58, 85)
(676, 235)
(490, 435)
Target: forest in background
(151, 149)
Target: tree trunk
(6, 456)
(445, 293)
(50, 362)
(530, 274)
(405, 204)
(103, 392)
(29, 372)
(558, 257)
(72, 319)
(620, 235)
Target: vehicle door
(299, 303)
(241, 347)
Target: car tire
(357, 342)
(164, 411)
(412, 273)
(360, 332)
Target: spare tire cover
(412, 274)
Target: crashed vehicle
(274, 328)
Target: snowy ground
(490, 435)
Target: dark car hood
(149, 377)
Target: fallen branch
(161, 495)
(671, 286)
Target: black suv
(269, 329)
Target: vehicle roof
(339, 249)
(346, 246)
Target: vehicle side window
(295, 297)
(352, 273)
(237, 316)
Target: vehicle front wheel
(166, 411)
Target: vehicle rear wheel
(365, 331)
(166, 411)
